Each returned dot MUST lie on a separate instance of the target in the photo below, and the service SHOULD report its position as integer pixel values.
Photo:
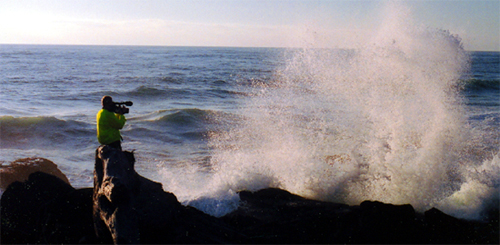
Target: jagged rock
(45, 209)
(131, 209)
(19, 170)
(387, 223)
(447, 229)
(277, 216)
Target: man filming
(110, 120)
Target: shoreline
(265, 216)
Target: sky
(238, 23)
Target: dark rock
(277, 216)
(19, 170)
(66, 220)
(45, 209)
(116, 184)
(387, 223)
(443, 228)
(129, 208)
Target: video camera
(120, 107)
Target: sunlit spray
(380, 122)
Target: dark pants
(116, 144)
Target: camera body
(119, 107)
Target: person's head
(107, 101)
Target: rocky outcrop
(19, 170)
(124, 207)
(129, 208)
(277, 216)
(45, 209)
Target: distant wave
(168, 126)
(481, 85)
(176, 124)
(178, 117)
(223, 93)
(48, 131)
(185, 117)
(147, 91)
(153, 92)
(172, 80)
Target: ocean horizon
(416, 123)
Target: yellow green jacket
(108, 126)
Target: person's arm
(114, 120)
(118, 121)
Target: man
(109, 123)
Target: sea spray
(329, 131)
(385, 121)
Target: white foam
(382, 122)
(480, 189)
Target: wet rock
(387, 223)
(277, 216)
(45, 209)
(19, 170)
(129, 208)
(443, 228)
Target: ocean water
(410, 117)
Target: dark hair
(106, 100)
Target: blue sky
(243, 23)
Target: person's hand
(121, 110)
